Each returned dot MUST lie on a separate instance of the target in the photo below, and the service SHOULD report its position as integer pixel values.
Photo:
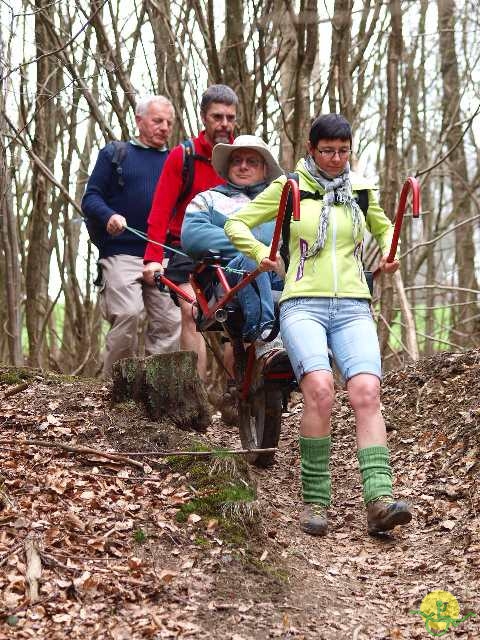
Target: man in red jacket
(218, 109)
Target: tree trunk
(466, 326)
(10, 269)
(167, 384)
(300, 36)
(391, 178)
(38, 257)
(340, 80)
(235, 67)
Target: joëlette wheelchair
(260, 399)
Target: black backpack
(120, 149)
(188, 170)
(362, 201)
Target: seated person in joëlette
(248, 166)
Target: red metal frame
(209, 309)
(411, 184)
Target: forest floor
(92, 548)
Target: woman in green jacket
(325, 304)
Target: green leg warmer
(315, 458)
(376, 472)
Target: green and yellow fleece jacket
(337, 270)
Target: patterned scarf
(337, 191)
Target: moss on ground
(16, 376)
(223, 491)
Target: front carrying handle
(411, 184)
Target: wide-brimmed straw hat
(222, 152)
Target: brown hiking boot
(384, 513)
(313, 519)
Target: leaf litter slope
(116, 563)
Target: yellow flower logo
(440, 610)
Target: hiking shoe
(384, 513)
(313, 519)
(276, 361)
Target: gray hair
(218, 93)
(144, 102)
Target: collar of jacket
(251, 191)
(137, 143)
(203, 146)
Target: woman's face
(330, 156)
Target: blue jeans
(309, 326)
(256, 302)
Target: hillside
(141, 548)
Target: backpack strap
(188, 170)
(362, 201)
(119, 153)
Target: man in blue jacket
(119, 193)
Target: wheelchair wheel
(260, 419)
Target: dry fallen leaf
(167, 575)
(193, 518)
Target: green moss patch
(15, 376)
(223, 491)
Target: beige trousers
(124, 297)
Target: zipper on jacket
(333, 218)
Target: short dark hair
(331, 126)
(218, 93)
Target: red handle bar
(411, 184)
(290, 186)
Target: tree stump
(168, 386)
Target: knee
(365, 395)
(186, 315)
(319, 397)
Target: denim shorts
(311, 326)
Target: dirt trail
(117, 565)
(351, 585)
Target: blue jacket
(104, 196)
(205, 217)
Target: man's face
(155, 125)
(246, 167)
(330, 156)
(219, 121)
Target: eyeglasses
(331, 153)
(252, 163)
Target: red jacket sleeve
(167, 191)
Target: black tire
(260, 418)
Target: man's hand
(149, 271)
(276, 265)
(388, 267)
(116, 224)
